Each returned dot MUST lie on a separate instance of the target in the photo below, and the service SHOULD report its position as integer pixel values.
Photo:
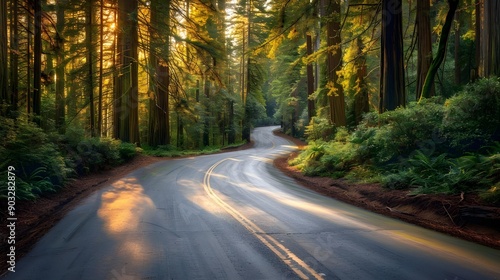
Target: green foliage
(442, 174)
(172, 151)
(40, 168)
(385, 138)
(431, 147)
(94, 154)
(128, 151)
(44, 162)
(472, 117)
(320, 129)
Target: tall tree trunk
(4, 75)
(29, 53)
(101, 68)
(231, 137)
(361, 102)
(89, 16)
(334, 64)
(491, 36)
(222, 64)
(60, 73)
(424, 45)
(429, 79)
(159, 118)
(37, 61)
(246, 125)
(392, 79)
(127, 23)
(310, 80)
(458, 66)
(14, 55)
(206, 124)
(117, 91)
(477, 40)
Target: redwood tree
(392, 86)
(334, 63)
(3, 53)
(424, 44)
(127, 92)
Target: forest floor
(437, 212)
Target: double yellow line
(302, 269)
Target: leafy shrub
(441, 174)
(40, 168)
(386, 137)
(472, 117)
(319, 129)
(127, 151)
(94, 154)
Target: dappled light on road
(121, 210)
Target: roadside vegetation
(437, 146)
(46, 161)
(173, 151)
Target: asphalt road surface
(234, 216)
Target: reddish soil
(438, 212)
(461, 215)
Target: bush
(319, 129)
(40, 168)
(442, 174)
(472, 117)
(93, 154)
(128, 151)
(387, 137)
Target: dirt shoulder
(462, 215)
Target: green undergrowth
(173, 151)
(45, 162)
(436, 146)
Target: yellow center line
(298, 266)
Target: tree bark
(424, 45)
(117, 91)
(159, 114)
(129, 115)
(334, 64)
(37, 61)
(4, 81)
(310, 80)
(101, 72)
(491, 36)
(392, 79)
(458, 67)
(361, 102)
(90, 62)
(477, 40)
(14, 56)
(60, 73)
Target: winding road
(234, 216)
